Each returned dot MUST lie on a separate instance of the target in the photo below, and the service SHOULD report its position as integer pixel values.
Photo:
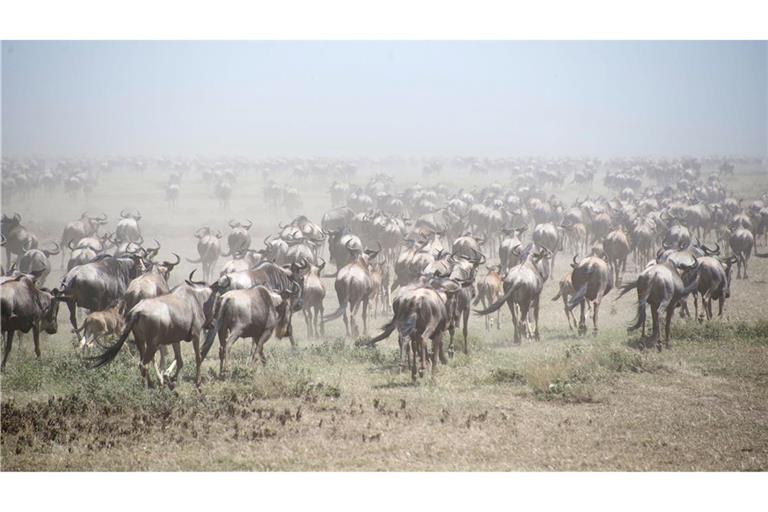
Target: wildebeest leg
(262, 340)
(345, 316)
(524, 320)
(583, 317)
(465, 326)
(656, 335)
(595, 309)
(365, 316)
(415, 351)
(667, 323)
(487, 319)
(721, 303)
(536, 318)
(515, 326)
(319, 318)
(498, 317)
(746, 263)
(72, 313)
(8, 343)
(178, 362)
(36, 338)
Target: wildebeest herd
(428, 256)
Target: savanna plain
(567, 402)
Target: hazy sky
(382, 98)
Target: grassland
(566, 403)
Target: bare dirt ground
(566, 403)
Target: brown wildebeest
(714, 283)
(488, 291)
(23, 306)
(661, 287)
(616, 248)
(209, 250)
(85, 226)
(741, 242)
(253, 313)
(522, 289)
(420, 313)
(166, 320)
(18, 239)
(353, 288)
(566, 291)
(35, 262)
(591, 278)
(100, 324)
(312, 297)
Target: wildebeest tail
(210, 336)
(109, 354)
(497, 305)
(578, 296)
(386, 330)
(625, 288)
(642, 300)
(336, 314)
(557, 297)
(194, 261)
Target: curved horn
(123, 214)
(17, 217)
(197, 233)
(233, 224)
(280, 225)
(716, 250)
(171, 264)
(103, 217)
(190, 281)
(69, 244)
(250, 224)
(267, 240)
(137, 216)
(320, 265)
(574, 259)
(218, 234)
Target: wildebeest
(18, 239)
(741, 242)
(127, 229)
(152, 283)
(488, 291)
(353, 288)
(522, 289)
(209, 249)
(420, 314)
(35, 262)
(239, 239)
(100, 324)
(23, 306)
(510, 247)
(85, 226)
(312, 298)
(253, 313)
(591, 280)
(99, 283)
(714, 284)
(565, 291)
(166, 320)
(616, 248)
(661, 287)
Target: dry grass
(567, 403)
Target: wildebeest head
(10, 223)
(48, 303)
